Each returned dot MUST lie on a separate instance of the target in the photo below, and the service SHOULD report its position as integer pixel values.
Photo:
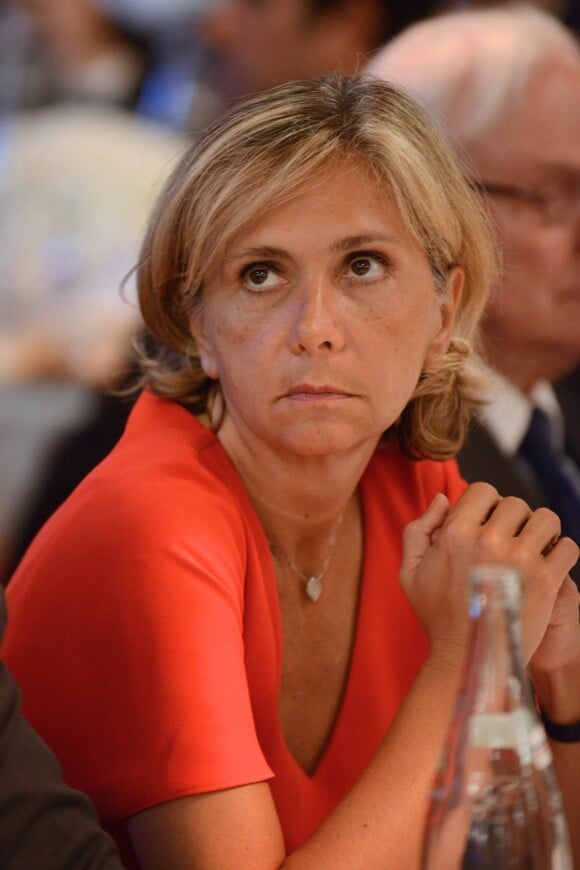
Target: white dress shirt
(508, 412)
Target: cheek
(528, 256)
(401, 344)
(238, 332)
(239, 347)
(533, 274)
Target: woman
(211, 632)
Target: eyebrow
(351, 242)
(347, 244)
(262, 252)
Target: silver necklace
(312, 582)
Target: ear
(448, 308)
(205, 347)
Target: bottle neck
(496, 674)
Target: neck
(299, 499)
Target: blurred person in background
(69, 50)
(568, 11)
(254, 46)
(78, 170)
(140, 55)
(505, 84)
(74, 192)
(176, 89)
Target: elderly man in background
(505, 83)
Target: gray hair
(470, 68)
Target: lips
(312, 391)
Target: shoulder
(166, 501)
(166, 470)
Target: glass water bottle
(495, 802)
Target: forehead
(345, 200)
(542, 135)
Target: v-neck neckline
(336, 733)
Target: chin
(322, 440)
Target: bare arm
(236, 827)
(378, 824)
(555, 671)
(380, 821)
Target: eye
(258, 277)
(366, 265)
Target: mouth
(316, 393)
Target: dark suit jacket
(44, 824)
(481, 459)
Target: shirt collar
(507, 412)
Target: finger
(567, 603)
(509, 516)
(563, 556)
(418, 536)
(541, 530)
(434, 516)
(476, 504)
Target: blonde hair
(254, 158)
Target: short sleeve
(130, 644)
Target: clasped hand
(441, 546)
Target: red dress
(145, 629)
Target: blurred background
(98, 98)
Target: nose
(317, 318)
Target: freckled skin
(306, 316)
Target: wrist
(569, 733)
(558, 693)
(445, 665)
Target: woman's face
(320, 320)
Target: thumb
(419, 535)
(434, 516)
